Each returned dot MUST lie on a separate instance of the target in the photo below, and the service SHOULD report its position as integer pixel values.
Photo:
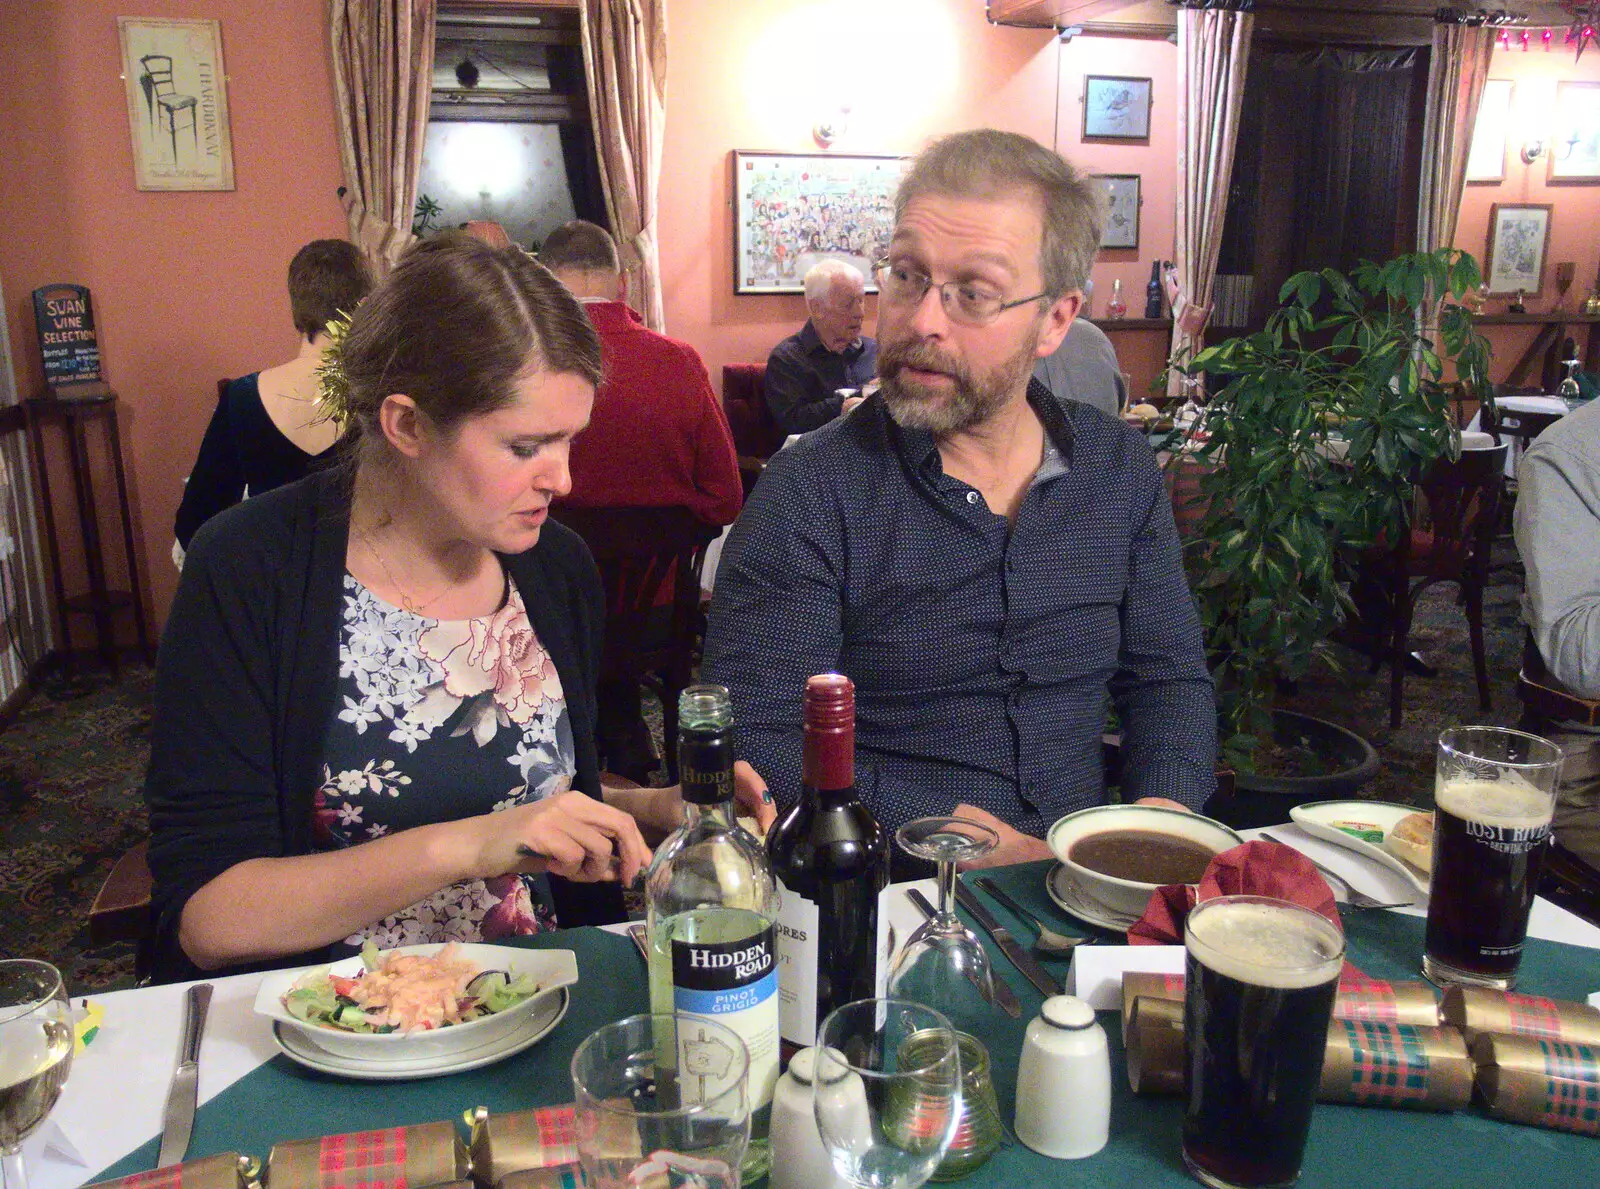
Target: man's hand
(1163, 803)
(1015, 846)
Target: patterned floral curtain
(1456, 75)
(1213, 51)
(382, 80)
(625, 61)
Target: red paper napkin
(1260, 868)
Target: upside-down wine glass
(35, 1055)
(943, 964)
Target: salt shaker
(799, 1161)
(1064, 1082)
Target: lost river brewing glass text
(1494, 796)
(711, 905)
(831, 860)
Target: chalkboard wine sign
(64, 316)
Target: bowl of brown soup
(1119, 854)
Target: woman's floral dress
(438, 720)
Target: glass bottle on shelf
(1116, 307)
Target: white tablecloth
(1520, 404)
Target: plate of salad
(415, 1001)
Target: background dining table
(252, 1097)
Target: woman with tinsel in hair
(376, 690)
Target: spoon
(1050, 942)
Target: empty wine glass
(662, 1100)
(944, 965)
(1569, 390)
(887, 1094)
(35, 1054)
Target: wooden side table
(100, 602)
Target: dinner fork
(1050, 942)
(1355, 898)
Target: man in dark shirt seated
(988, 565)
(806, 370)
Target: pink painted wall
(188, 287)
(758, 76)
(1576, 213)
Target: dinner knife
(1009, 946)
(177, 1121)
(1003, 996)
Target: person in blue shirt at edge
(987, 564)
(806, 370)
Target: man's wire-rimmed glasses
(963, 302)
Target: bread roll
(1144, 411)
(1412, 840)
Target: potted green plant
(1306, 457)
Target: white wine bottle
(712, 904)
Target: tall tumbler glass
(1494, 795)
(1261, 977)
(662, 1100)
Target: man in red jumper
(657, 437)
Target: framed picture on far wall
(1519, 237)
(177, 91)
(1116, 108)
(1487, 160)
(1575, 144)
(1121, 227)
(791, 210)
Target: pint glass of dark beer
(1259, 990)
(1494, 795)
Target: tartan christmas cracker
(1367, 1062)
(1538, 1081)
(1358, 998)
(225, 1170)
(1477, 1009)
(538, 1149)
(425, 1154)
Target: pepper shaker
(1064, 1082)
(799, 1161)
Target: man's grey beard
(969, 402)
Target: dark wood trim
(1109, 324)
(13, 418)
(516, 107)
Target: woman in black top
(268, 429)
(375, 698)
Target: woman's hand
(571, 835)
(662, 809)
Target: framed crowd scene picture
(793, 209)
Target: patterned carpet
(72, 764)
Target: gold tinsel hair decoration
(333, 388)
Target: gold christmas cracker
(426, 1154)
(1539, 1081)
(1367, 1062)
(538, 1149)
(226, 1170)
(1478, 1009)
(1359, 998)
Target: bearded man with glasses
(990, 566)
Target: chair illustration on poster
(161, 96)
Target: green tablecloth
(1350, 1147)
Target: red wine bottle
(831, 859)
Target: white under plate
(548, 969)
(547, 1012)
(1318, 817)
(1070, 898)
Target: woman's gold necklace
(405, 599)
